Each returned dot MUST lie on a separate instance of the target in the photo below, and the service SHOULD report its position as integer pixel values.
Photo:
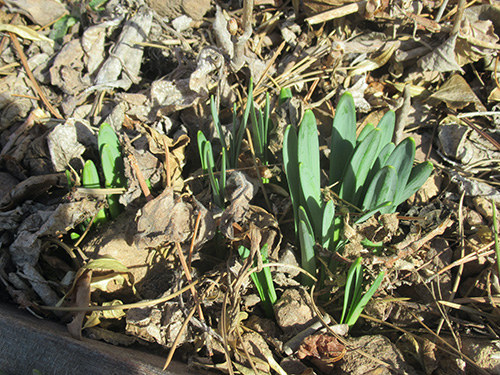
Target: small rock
(293, 311)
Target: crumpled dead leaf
(69, 141)
(240, 191)
(81, 294)
(457, 94)
(168, 218)
(442, 59)
(176, 147)
(322, 346)
(40, 12)
(31, 188)
(123, 66)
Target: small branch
(458, 17)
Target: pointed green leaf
(358, 168)
(419, 174)
(308, 146)
(90, 177)
(217, 123)
(382, 188)
(285, 94)
(386, 125)
(291, 165)
(366, 130)
(350, 288)
(402, 159)
(328, 225)
(312, 196)
(306, 239)
(108, 136)
(343, 138)
(359, 307)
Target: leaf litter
(171, 275)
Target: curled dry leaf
(81, 293)
(457, 94)
(168, 219)
(40, 12)
(176, 147)
(322, 346)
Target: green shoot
(218, 186)
(262, 280)
(354, 300)
(112, 165)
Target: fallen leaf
(457, 94)
(81, 299)
(322, 346)
(24, 32)
(442, 59)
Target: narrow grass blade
(265, 130)
(343, 138)
(419, 174)
(214, 183)
(262, 280)
(358, 168)
(222, 179)
(306, 238)
(239, 133)
(328, 225)
(349, 293)
(382, 188)
(256, 128)
(217, 124)
(402, 159)
(291, 165)
(359, 307)
(202, 140)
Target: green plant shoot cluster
(262, 280)
(354, 300)
(371, 172)
(113, 170)
(230, 152)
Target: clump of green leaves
(113, 169)
(371, 172)
(262, 280)
(260, 122)
(218, 185)
(314, 218)
(354, 300)
(112, 164)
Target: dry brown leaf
(322, 346)
(81, 299)
(457, 94)
(40, 12)
(442, 59)
(165, 219)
